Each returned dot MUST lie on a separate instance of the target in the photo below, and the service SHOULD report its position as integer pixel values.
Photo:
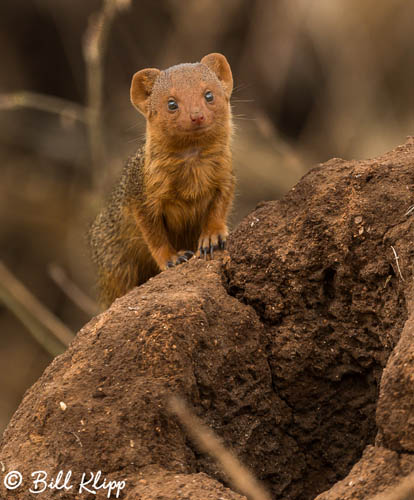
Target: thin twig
(50, 104)
(94, 49)
(71, 289)
(404, 491)
(411, 209)
(77, 439)
(241, 478)
(45, 328)
(396, 261)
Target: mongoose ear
(141, 88)
(219, 65)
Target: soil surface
(296, 347)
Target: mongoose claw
(221, 243)
(203, 252)
(209, 250)
(185, 257)
(210, 244)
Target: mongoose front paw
(207, 244)
(183, 257)
(186, 256)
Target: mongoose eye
(209, 96)
(172, 105)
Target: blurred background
(314, 79)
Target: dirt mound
(319, 269)
(392, 457)
(280, 348)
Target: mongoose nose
(197, 117)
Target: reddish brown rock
(279, 348)
(319, 269)
(179, 333)
(375, 472)
(395, 410)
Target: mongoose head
(188, 103)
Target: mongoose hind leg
(124, 273)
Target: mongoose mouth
(198, 130)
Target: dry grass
(240, 476)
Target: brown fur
(175, 194)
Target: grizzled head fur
(187, 103)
